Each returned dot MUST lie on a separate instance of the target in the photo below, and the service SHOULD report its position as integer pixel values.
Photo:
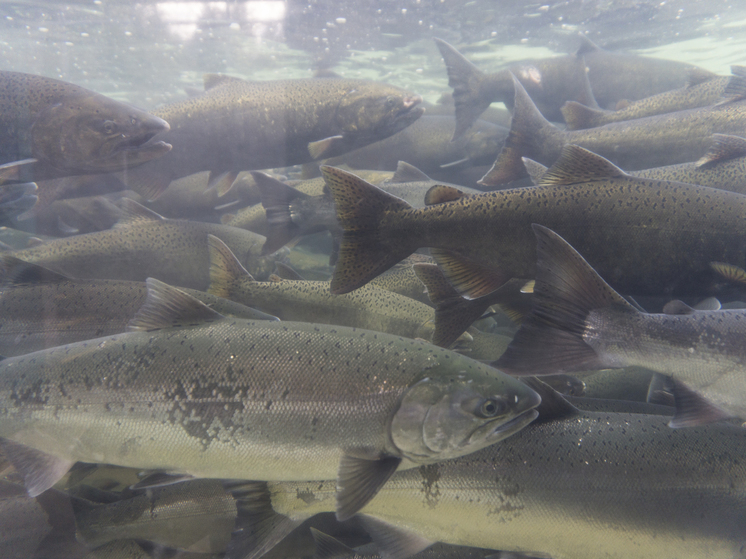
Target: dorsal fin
(168, 307)
(441, 193)
(328, 547)
(213, 80)
(735, 90)
(406, 172)
(553, 405)
(225, 268)
(723, 148)
(586, 46)
(393, 542)
(576, 165)
(134, 212)
(14, 272)
(696, 76)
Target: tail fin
(466, 81)
(580, 117)
(367, 249)
(276, 199)
(530, 135)
(550, 340)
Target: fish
(369, 307)
(572, 485)
(454, 314)
(482, 241)
(187, 391)
(16, 199)
(195, 515)
(427, 145)
(292, 214)
(592, 76)
(238, 125)
(52, 129)
(723, 166)
(636, 144)
(702, 89)
(43, 309)
(579, 322)
(145, 244)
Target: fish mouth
(144, 143)
(504, 430)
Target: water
(151, 54)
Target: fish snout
(411, 101)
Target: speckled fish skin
(196, 515)
(173, 251)
(237, 125)
(635, 144)
(590, 485)
(42, 316)
(255, 400)
(612, 220)
(71, 130)
(690, 96)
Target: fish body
(52, 310)
(635, 144)
(708, 91)
(427, 145)
(582, 486)
(143, 245)
(196, 515)
(229, 398)
(480, 242)
(591, 76)
(369, 307)
(703, 351)
(237, 125)
(53, 129)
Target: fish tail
(276, 199)
(567, 289)
(529, 133)
(467, 82)
(580, 117)
(367, 248)
(453, 313)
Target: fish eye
(133, 121)
(110, 127)
(391, 101)
(491, 407)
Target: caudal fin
(567, 289)
(368, 248)
(466, 81)
(531, 135)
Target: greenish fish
(369, 307)
(573, 485)
(589, 76)
(578, 323)
(188, 391)
(635, 144)
(195, 515)
(238, 125)
(145, 244)
(701, 90)
(50, 129)
(43, 309)
(480, 242)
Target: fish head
(85, 134)
(371, 112)
(451, 413)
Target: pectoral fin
(325, 147)
(39, 470)
(358, 481)
(13, 171)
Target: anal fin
(692, 409)
(468, 278)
